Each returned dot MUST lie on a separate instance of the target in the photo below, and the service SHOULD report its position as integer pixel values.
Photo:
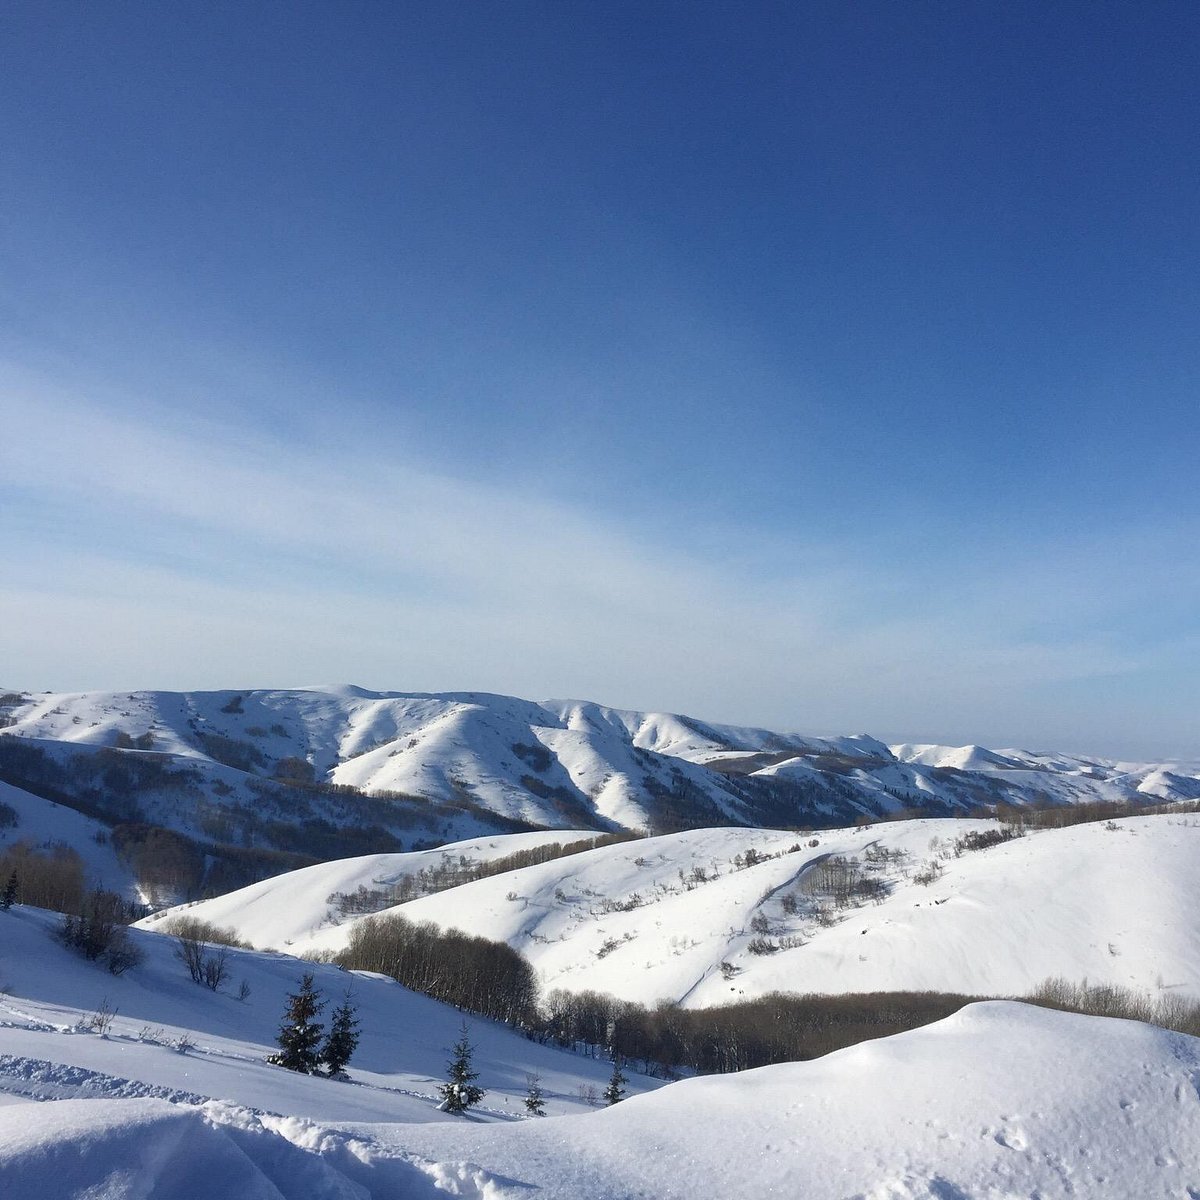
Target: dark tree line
(472, 973)
(493, 980)
(52, 877)
(755, 1033)
(1059, 816)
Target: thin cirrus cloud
(147, 551)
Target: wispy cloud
(151, 551)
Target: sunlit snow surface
(1109, 903)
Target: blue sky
(827, 366)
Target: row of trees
(754, 1033)
(472, 973)
(1059, 816)
(50, 877)
(493, 980)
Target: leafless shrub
(210, 968)
(982, 839)
(1109, 1000)
(191, 952)
(216, 969)
(930, 873)
(97, 932)
(612, 943)
(101, 1020)
(123, 953)
(196, 929)
(884, 854)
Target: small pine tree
(615, 1092)
(460, 1092)
(535, 1104)
(300, 1033)
(9, 896)
(343, 1037)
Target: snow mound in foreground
(151, 1148)
(1001, 1100)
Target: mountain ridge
(250, 767)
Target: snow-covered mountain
(331, 772)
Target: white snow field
(148, 1086)
(1111, 903)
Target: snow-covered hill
(684, 917)
(332, 772)
(290, 909)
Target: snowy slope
(1108, 905)
(998, 1101)
(405, 1044)
(293, 907)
